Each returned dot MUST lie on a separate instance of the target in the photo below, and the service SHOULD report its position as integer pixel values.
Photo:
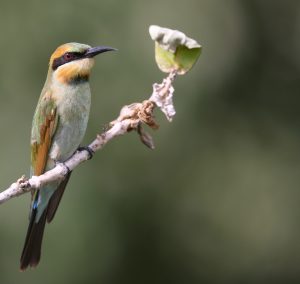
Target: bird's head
(74, 61)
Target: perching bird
(58, 127)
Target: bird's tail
(32, 248)
(31, 253)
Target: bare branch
(131, 117)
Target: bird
(58, 127)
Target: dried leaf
(145, 137)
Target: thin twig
(131, 118)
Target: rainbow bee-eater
(58, 127)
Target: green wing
(43, 128)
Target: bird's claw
(67, 169)
(88, 149)
(63, 164)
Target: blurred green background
(218, 200)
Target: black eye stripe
(65, 58)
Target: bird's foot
(88, 149)
(67, 169)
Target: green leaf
(174, 51)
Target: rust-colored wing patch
(46, 120)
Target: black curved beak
(93, 51)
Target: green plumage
(58, 127)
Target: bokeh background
(218, 200)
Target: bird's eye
(68, 56)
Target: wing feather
(43, 128)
